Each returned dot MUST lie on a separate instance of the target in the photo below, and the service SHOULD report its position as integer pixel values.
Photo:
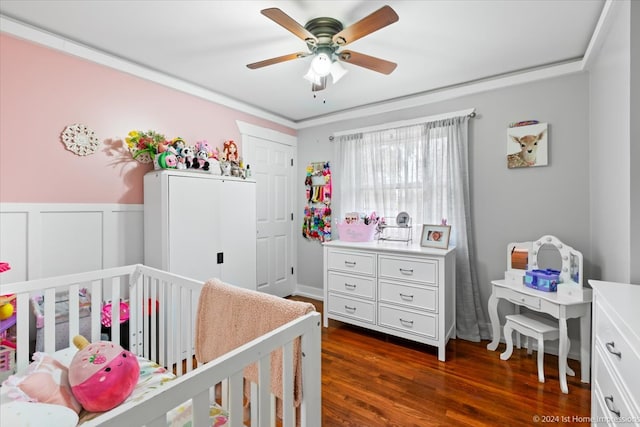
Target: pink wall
(43, 90)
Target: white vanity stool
(536, 327)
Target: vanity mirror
(548, 252)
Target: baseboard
(309, 292)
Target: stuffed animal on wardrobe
(167, 160)
(178, 144)
(230, 150)
(187, 154)
(201, 160)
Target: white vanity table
(570, 301)
(559, 306)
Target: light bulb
(321, 64)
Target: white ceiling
(436, 44)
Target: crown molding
(53, 41)
(36, 35)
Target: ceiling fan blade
(284, 20)
(367, 25)
(277, 60)
(366, 61)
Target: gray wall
(507, 205)
(611, 176)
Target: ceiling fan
(324, 38)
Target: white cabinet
(396, 288)
(615, 392)
(201, 226)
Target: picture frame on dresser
(435, 236)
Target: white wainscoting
(42, 239)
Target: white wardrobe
(201, 226)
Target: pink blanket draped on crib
(229, 317)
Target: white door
(271, 166)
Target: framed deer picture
(527, 145)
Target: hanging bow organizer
(317, 212)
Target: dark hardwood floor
(370, 379)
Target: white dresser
(393, 287)
(615, 392)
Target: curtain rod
(471, 113)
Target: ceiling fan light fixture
(312, 77)
(337, 71)
(321, 64)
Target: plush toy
(204, 146)
(167, 160)
(178, 144)
(187, 154)
(230, 149)
(201, 160)
(225, 168)
(102, 374)
(235, 169)
(214, 166)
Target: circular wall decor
(80, 139)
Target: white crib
(162, 310)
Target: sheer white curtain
(423, 170)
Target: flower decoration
(144, 145)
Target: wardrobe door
(238, 233)
(194, 227)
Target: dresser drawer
(412, 322)
(420, 297)
(612, 400)
(359, 286)
(352, 262)
(616, 349)
(353, 308)
(518, 298)
(416, 270)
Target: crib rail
(160, 327)
(197, 383)
(161, 310)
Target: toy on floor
(6, 306)
(102, 374)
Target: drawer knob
(349, 286)
(406, 297)
(608, 400)
(350, 309)
(611, 346)
(406, 270)
(350, 263)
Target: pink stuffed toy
(102, 374)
